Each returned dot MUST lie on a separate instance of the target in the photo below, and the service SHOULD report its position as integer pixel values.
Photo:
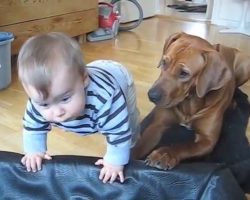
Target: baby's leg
(125, 80)
(129, 90)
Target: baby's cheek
(46, 115)
(77, 108)
(78, 104)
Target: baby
(63, 92)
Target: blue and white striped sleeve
(113, 122)
(35, 130)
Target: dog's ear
(171, 39)
(241, 67)
(239, 60)
(215, 74)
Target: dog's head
(189, 65)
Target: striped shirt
(105, 112)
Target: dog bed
(76, 178)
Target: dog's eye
(184, 74)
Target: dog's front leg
(153, 126)
(207, 134)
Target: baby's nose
(59, 111)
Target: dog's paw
(161, 160)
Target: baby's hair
(37, 56)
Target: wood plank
(74, 24)
(15, 11)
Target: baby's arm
(34, 139)
(116, 157)
(110, 172)
(35, 150)
(113, 122)
(33, 161)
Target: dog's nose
(154, 95)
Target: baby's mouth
(69, 119)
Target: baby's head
(53, 74)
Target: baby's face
(66, 99)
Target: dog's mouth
(171, 104)
(166, 100)
(168, 103)
(165, 104)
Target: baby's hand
(110, 172)
(33, 162)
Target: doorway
(197, 10)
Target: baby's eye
(44, 105)
(66, 99)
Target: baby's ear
(85, 78)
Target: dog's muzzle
(154, 95)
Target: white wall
(229, 12)
(129, 11)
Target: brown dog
(195, 87)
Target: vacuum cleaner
(109, 21)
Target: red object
(107, 16)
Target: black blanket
(76, 178)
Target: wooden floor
(140, 50)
